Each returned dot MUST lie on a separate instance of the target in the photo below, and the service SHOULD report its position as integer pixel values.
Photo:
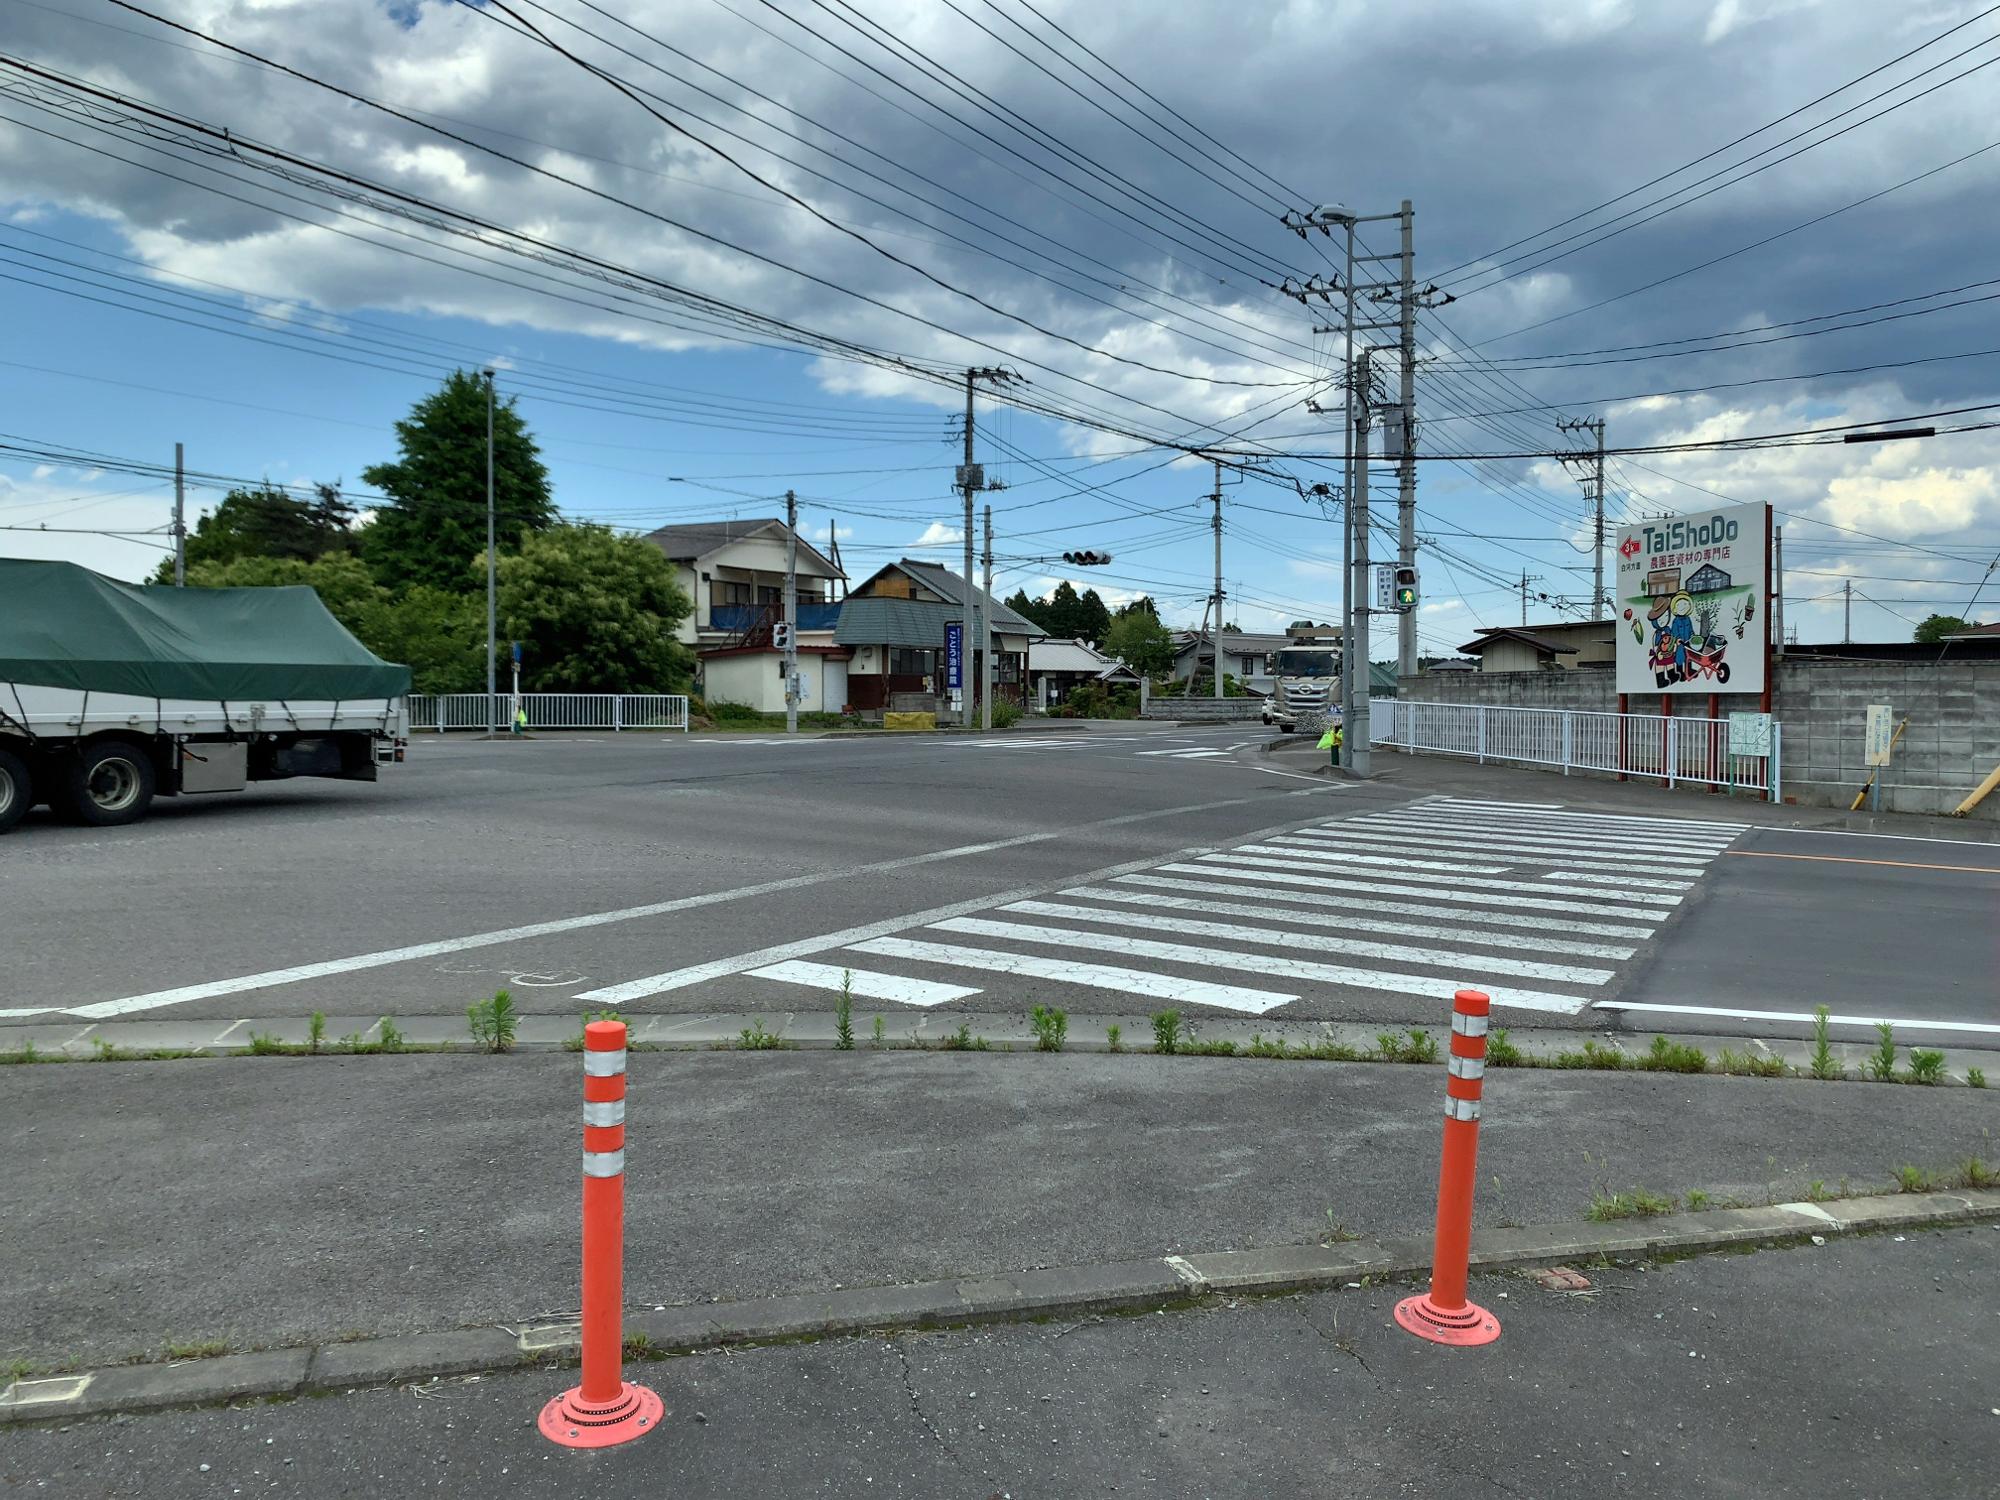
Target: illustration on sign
(954, 657)
(1690, 605)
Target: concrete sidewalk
(1854, 1368)
(280, 1201)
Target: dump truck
(112, 694)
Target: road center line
(157, 999)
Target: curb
(1063, 1291)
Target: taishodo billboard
(1692, 615)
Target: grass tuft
(1668, 1056)
(1166, 1031)
(843, 1014)
(1636, 1204)
(493, 1022)
(316, 1032)
(1051, 1027)
(1882, 1061)
(1824, 1064)
(1926, 1066)
(1912, 1180)
(1975, 1078)
(1594, 1054)
(754, 1038)
(1502, 1053)
(1111, 1038)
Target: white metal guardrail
(613, 711)
(1672, 750)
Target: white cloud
(938, 534)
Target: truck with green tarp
(112, 694)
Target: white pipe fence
(613, 711)
(1672, 750)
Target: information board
(1690, 605)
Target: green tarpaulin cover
(65, 626)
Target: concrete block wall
(1203, 710)
(1952, 742)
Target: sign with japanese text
(1690, 606)
(954, 657)
(1880, 735)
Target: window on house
(725, 593)
(905, 661)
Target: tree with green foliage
(1093, 619)
(267, 521)
(1142, 605)
(435, 521)
(1138, 639)
(341, 580)
(594, 612)
(1936, 627)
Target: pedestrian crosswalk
(1541, 906)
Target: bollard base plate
(575, 1423)
(1460, 1326)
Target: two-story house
(894, 623)
(735, 573)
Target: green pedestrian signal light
(1405, 591)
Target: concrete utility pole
(1406, 467)
(986, 658)
(1777, 600)
(180, 522)
(1526, 579)
(972, 479)
(1847, 612)
(492, 569)
(1350, 589)
(1354, 721)
(1216, 524)
(1593, 487)
(791, 612)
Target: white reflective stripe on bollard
(604, 1163)
(1467, 1067)
(604, 1064)
(612, 1113)
(1461, 1109)
(1466, 1025)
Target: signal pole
(791, 612)
(972, 479)
(986, 657)
(1216, 524)
(492, 569)
(1406, 468)
(1354, 721)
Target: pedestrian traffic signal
(781, 635)
(1087, 559)
(1406, 589)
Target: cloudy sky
(716, 247)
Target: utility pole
(791, 612)
(1777, 599)
(1406, 467)
(492, 569)
(1847, 612)
(972, 479)
(1216, 524)
(1593, 486)
(1350, 588)
(1526, 579)
(1354, 721)
(986, 658)
(180, 522)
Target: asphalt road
(266, 1201)
(1859, 1368)
(1084, 869)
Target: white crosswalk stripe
(1540, 906)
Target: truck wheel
(16, 792)
(110, 783)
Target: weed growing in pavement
(1926, 1066)
(1636, 1204)
(755, 1038)
(18, 1369)
(106, 1051)
(1974, 1173)
(1912, 1180)
(262, 1044)
(1595, 1054)
(1824, 1063)
(203, 1349)
(391, 1036)
(1260, 1048)
(880, 1030)
(493, 1022)
(1697, 1200)
(1337, 1233)
(1974, 1077)
(353, 1043)
(1502, 1053)
(29, 1053)
(1166, 1031)
(1667, 1056)
(843, 1014)
(1744, 1064)
(1111, 1038)
(1816, 1191)
(1051, 1027)
(316, 1032)
(1882, 1062)
(639, 1345)
(1412, 1046)
(962, 1040)
(1199, 1048)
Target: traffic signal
(781, 635)
(1406, 589)
(1087, 559)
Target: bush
(734, 713)
(1006, 714)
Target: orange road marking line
(1839, 859)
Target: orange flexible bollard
(605, 1409)
(1443, 1315)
